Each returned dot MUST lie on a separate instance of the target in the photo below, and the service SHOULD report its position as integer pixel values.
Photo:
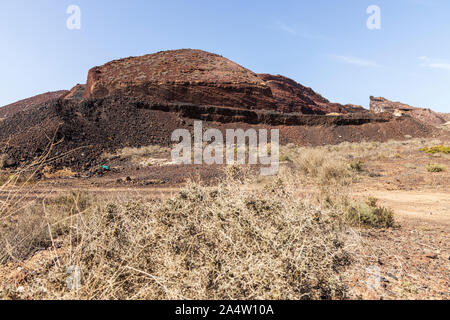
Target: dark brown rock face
(294, 97)
(428, 116)
(202, 78)
(83, 130)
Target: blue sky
(323, 44)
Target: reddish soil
(22, 105)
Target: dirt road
(429, 206)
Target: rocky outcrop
(294, 97)
(188, 76)
(273, 118)
(76, 93)
(428, 116)
(202, 78)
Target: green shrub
(370, 215)
(436, 149)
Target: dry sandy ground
(411, 261)
(423, 206)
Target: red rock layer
(199, 77)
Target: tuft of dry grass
(28, 233)
(436, 167)
(320, 165)
(153, 155)
(356, 165)
(136, 153)
(36, 224)
(62, 173)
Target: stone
(7, 161)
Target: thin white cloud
(355, 61)
(284, 27)
(435, 63)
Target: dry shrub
(76, 201)
(237, 173)
(136, 153)
(225, 242)
(321, 165)
(62, 173)
(370, 215)
(436, 167)
(334, 175)
(356, 165)
(36, 225)
(27, 233)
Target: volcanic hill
(203, 78)
(140, 101)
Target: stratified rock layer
(190, 76)
(83, 130)
(291, 96)
(202, 78)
